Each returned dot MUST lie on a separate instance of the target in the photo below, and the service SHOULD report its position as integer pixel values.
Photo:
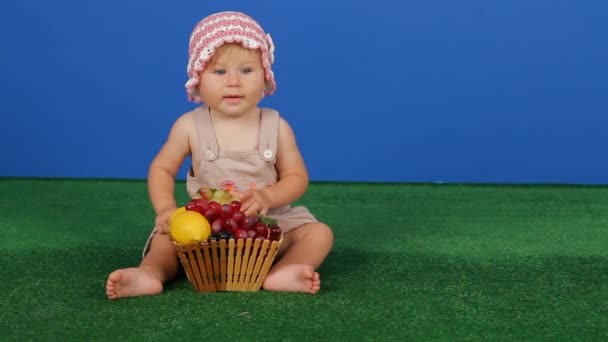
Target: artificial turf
(411, 262)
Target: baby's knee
(321, 231)
(326, 231)
(316, 232)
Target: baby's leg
(304, 249)
(157, 267)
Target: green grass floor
(414, 262)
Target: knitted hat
(227, 27)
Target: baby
(233, 145)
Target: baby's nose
(234, 78)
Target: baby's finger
(247, 203)
(243, 196)
(248, 211)
(252, 210)
(163, 228)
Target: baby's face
(233, 80)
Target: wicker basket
(231, 265)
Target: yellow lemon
(189, 227)
(177, 211)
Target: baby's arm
(164, 168)
(293, 176)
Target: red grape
(261, 229)
(216, 206)
(201, 203)
(235, 206)
(192, 206)
(217, 226)
(241, 234)
(226, 211)
(238, 216)
(210, 214)
(275, 233)
(230, 225)
(250, 222)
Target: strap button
(268, 153)
(209, 155)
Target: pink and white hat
(227, 27)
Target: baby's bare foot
(129, 282)
(293, 278)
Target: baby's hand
(162, 221)
(255, 202)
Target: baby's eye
(219, 71)
(246, 70)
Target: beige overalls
(240, 171)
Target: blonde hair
(230, 47)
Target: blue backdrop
(407, 91)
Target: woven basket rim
(206, 242)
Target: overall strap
(206, 133)
(269, 134)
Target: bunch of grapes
(229, 222)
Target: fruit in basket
(197, 204)
(238, 217)
(235, 206)
(275, 233)
(217, 226)
(224, 219)
(189, 227)
(177, 211)
(241, 234)
(216, 207)
(230, 225)
(250, 221)
(206, 193)
(225, 235)
(220, 196)
(211, 215)
(226, 211)
(261, 229)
